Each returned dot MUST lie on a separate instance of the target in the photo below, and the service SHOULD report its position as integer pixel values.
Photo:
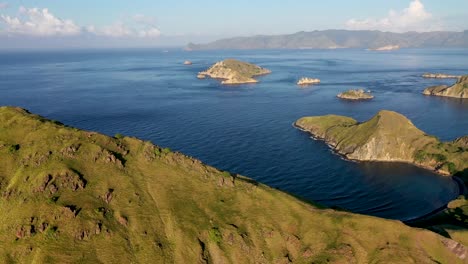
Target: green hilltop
(73, 196)
(233, 71)
(388, 136)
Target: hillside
(69, 195)
(332, 39)
(232, 71)
(388, 136)
(458, 90)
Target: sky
(148, 23)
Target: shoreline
(355, 160)
(462, 189)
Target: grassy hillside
(388, 136)
(76, 196)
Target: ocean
(247, 129)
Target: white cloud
(38, 22)
(4, 5)
(141, 26)
(413, 18)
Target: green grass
(172, 205)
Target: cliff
(458, 90)
(388, 136)
(73, 196)
(234, 72)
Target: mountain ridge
(337, 38)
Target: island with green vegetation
(458, 90)
(74, 196)
(355, 94)
(388, 136)
(232, 71)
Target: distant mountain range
(333, 39)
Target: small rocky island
(308, 81)
(388, 136)
(440, 76)
(458, 90)
(187, 62)
(357, 94)
(232, 71)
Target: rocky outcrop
(388, 136)
(458, 90)
(358, 94)
(232, 71)
(440, 76)
(187, 62)
(308, 81)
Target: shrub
(452, 168)
(215, 235)
(13, 148)
(226, 174)
(420, 156)
(166, 150)
(439, 157)
(119, 136)
(157, 151)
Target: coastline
(355, 160)
(462, 188)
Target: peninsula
(74, 196)
(232, 71)
(458, 90)
(357, 94)
(388, 136)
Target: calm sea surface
(248, 129)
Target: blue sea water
(247, 129)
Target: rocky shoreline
(232, 71)
(377, 140)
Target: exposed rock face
(440, 76)
(234, 72)
(308, 81)
(388, 136)
(387, 48)
(458, 90)
(358, 94)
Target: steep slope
(458, 90)
(388, 136)
(234, 72)
(330, 39)
(76, 196)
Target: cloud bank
(413, 18)
(42, 23)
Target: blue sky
(175, 22)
